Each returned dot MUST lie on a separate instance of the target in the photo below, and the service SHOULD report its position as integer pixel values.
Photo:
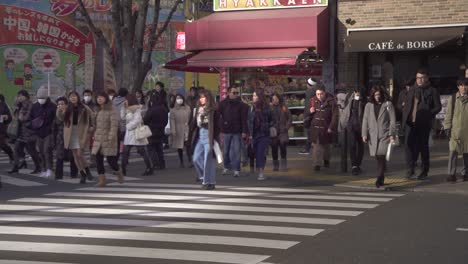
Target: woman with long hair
(131, 113)
(378, 128)
(60, 152)
(179, 118)
(282, 116)
(105, 138)
(260, 120)
(78, 125)
(205, 127)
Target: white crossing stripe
(19, 182)
(109, 211)
(203, 206)
(10, 261)
(145, 236)
(462, 229)
(151, 190)
(223, 187)
(370, 194)
(333, 197)
(133, 252)
(128, 196)
(163, 224)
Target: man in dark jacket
(421, 106)
(156, 119)
(5, 119)
(42, 123)
(324, 120)
(233, 118)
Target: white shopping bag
(389, 151)
(218, 152)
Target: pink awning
(261, 29)
(246, 57)
(180, 64)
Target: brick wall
(391, 13)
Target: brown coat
(85, 126)
(324, 118)
(282, 122)
(105, 136)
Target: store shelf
(246, 94)
(296, 107)
(298, 122)
(295, 92)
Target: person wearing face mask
(88, 100)
(42, 123)
(179, 118)
(350, 126)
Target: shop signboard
(232, 5)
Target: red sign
(47, 60)
(25, 26)
(180, 43)
(66, 7)
(223, 82)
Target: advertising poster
(48, 43)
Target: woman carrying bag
(282, 116)
(378, 128)
(131, 113)
(205, 127)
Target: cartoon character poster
(48, 42)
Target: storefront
(277, 48)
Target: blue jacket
(264, 129)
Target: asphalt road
(167, 218)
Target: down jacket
(105, 136)
(133, 119)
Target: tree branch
(140, 29)
(168, 20)
(116, 25)
(96, 31)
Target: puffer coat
(458, 124)
(133, 119)
(105, 136)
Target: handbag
(273, 132)
(12, 130)
(167, 129)
(37, 122)
(218, 152)
(388, 156)
(142, 132)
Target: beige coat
(458, 124)
(179, 118)
(105, 137)
(378, 131)
(85, 126)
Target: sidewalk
(301, 170)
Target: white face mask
(41, 101)
(87, 99)
(111, 97)
(179, 101)
(357, 97)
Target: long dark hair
(260, 105)
(210, 103)
(106, 97)
(383, 94)
(69, 112)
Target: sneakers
(422, 176)
(261, 177)
(43, 174)
(208, 186)
(226, 172)
(304, 152)
(49, 174)
(410, 174)
(355, 170)
(236, 174)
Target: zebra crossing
(172, 223)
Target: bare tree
(131, 61)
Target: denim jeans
(260, 146)
(203, 160)
(232, 151)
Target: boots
(59, 169)
(102, 181)
(89, 175)
(83, 177)
(124, 170)
(15, 169)
(120, 176)
(148, 172)
(275, 165)
(284, 165)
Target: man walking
(421, 106)
(233, 118)
(456, 125)
(310, 92)
(324, 119)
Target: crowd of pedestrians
(236, 133)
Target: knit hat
(311, 82)
(42, 92)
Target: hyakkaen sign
(407, 45)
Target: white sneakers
(261, 177)
(226, 172)
(236, 174)
(46, 174)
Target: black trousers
(417, 142)
(381, 164)
(5, 147)
(157, 154)
(141, 150)
(356, 147)
(111, 160)
(31, 148)
(275, 145)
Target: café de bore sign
(406, 45)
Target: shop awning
(245, 58)
(370, 40)
(261, 29)
(181, 64)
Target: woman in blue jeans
(260, 120)
(205, 128)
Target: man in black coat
(156, 118)
(421, 106)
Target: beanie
(42, 92)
